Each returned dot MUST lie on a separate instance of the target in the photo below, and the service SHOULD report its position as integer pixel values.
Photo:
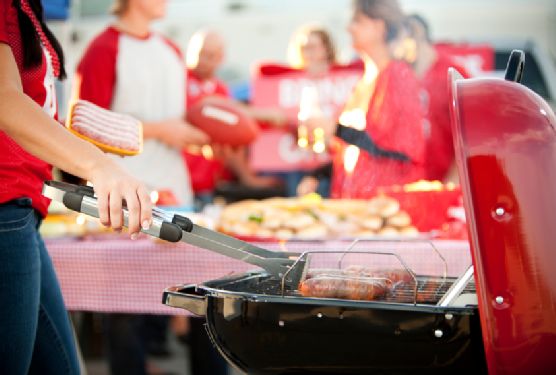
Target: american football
(224, 121)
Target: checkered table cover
(130, 276)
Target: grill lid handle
(514, 69)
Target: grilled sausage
(354, 288)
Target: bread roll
(372, 222)
(300, 221)
(388, 232)
(284, 234)
(264, 233)
(316, 231)
(410, 232)
(399, 220)
(245, 229)
(383, 206)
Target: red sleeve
(173, 46)
(96, 73)
(222, 89)
(4, 4)
(396, 118)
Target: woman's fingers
(133, 209)
(116, 215)
(103, 209)
(146, 206)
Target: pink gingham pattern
(130, 276)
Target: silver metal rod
(457, 287)
(394, 240)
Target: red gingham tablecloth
(130, 276)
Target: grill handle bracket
(184, 297)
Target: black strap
(361, 139)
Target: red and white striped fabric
(130, 276)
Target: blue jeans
(35, 332)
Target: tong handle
(82, 201)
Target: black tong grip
(72, 200)
(171, 232)
(183, 222)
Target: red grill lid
(505, 141)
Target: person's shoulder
(105, 42)
(401, 71)
(400, 67)
(222, 87)
(170, 43)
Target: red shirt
(434, 97)
(394, 123)
(21, 174)
(204, 173)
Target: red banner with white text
(281, 87)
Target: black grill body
(274, 335)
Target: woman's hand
(308, 185)
(327, 124)
(112, 185)
(273, 116)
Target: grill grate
(430, 289)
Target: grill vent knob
(281, 323)
(449, 316)
(499, 300)
(319, 315)
(438, 333)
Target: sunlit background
(258, 30)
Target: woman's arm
(39, 134)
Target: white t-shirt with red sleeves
(145, 78)
(22, 174)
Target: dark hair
(32, 50)
(328, 44)
(294, 48)
(387, 10)
(417, 18)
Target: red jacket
(394, 123)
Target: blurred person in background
(379, 140)
(311, 49)
(431, 68)
(205, 55)
(130, 69)
(36, 333)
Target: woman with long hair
(379, 139)
(311, 48)
(35, 328)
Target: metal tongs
(175, 228)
